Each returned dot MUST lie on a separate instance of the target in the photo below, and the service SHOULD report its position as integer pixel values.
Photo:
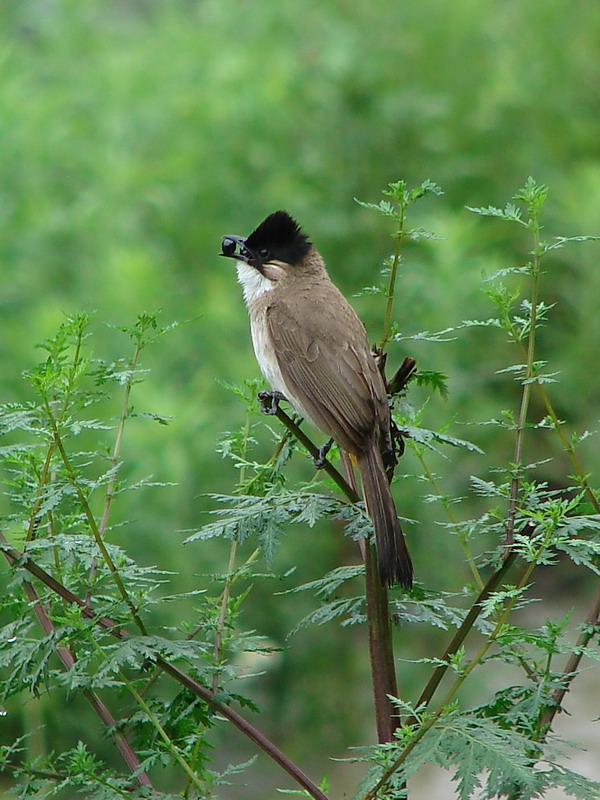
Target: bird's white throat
(253, 282)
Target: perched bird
(313, 350)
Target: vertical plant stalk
(593, 617)
(116, 454)
(450, 514)
(37, 503)
(559, 427)
(33, 520)
(226, 594)
(381, 653)
(114, 460)
(569, 449)
(92, 521)
(387, 321)
(526, 393)
(461, 678)
(229, 579)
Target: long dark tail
(393, 558)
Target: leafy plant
(82, 618)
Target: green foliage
(507, 740)
(135, 134)
(82, 618)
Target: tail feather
(393, 559)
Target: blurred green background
(133, 134)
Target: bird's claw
(269, 402)
(397, 440)
(322, 454)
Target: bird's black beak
(235, 247)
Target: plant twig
(230, 569)
(558, 427)
(33, 519)
(170, 745)
(402, 376)
(333, 473)
(387, 322)
(588, 631)
(223, 612)
(114, 460)
(450, 514)
(461, 634)
(526, 390)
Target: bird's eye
(228, 247)
(263, 253)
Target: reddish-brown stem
(381, 654)
(462, 632)
(589, 630)
(378, 613)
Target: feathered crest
(281, 235)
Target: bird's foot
(322, 456)
(269, 402)
(392, 448)
(397, 445)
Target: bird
(313, 350)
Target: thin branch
(568, 447)
(169, 744)
(226, 594)
(418, 450)
(589, 630)
(461, 634)
(402, 376)
(114, 460)
(387, 322)
(110, 489)
(526, 390)
(333, 473)
(33, 519)
(559, 428)
(37, 503)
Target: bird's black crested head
(279, 237)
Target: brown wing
(328, 368)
